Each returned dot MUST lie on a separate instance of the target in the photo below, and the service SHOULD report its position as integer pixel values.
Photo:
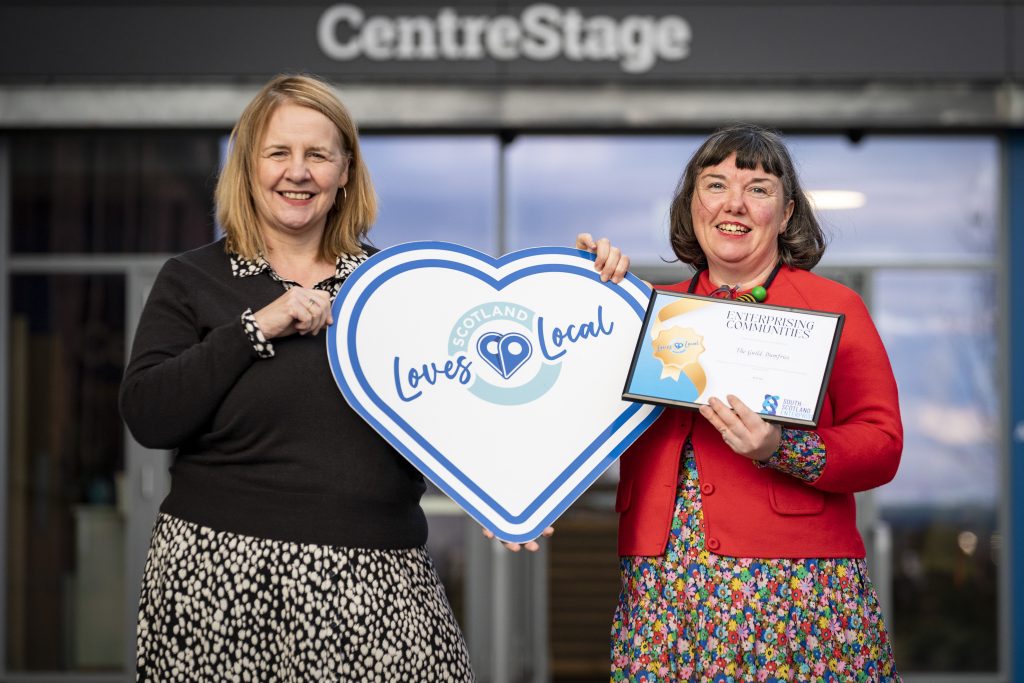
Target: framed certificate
(777, 360)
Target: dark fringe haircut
(802, 243)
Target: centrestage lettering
(541, 32)
(769, 324)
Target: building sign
(542, 32)
(504, 43)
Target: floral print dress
(692, 615)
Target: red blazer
(752, 511)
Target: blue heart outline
(498, 285)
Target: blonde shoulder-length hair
(354, 210)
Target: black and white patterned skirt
(218, 606)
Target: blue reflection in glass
(925, 196)
(943, 352)
(434, 188)
(942, 507)
(616, 187)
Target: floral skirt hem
(691, 615)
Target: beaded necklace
(756, 295)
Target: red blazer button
(707, 489)
(713, 544)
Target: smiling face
(737, 216)
(300, 166)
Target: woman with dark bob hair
(291, 544)
(740, 555)
(800, 245)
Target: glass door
(146, 474)
(66, 514)
(86, 219)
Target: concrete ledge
(447, 107)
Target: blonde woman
(291, 544)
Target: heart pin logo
(506, 353)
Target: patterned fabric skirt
(218, 606)
(691, 615)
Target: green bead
(760, 293)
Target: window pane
(616, 187)
(923, 196)
(112, 192)
(65, 535)
(939, 329)
(434, 188)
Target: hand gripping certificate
(777, 360)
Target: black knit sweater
(264, 447)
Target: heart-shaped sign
(499, 379)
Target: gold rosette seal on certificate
(678, 349)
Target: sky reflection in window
(434, 188)
(924, 197)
